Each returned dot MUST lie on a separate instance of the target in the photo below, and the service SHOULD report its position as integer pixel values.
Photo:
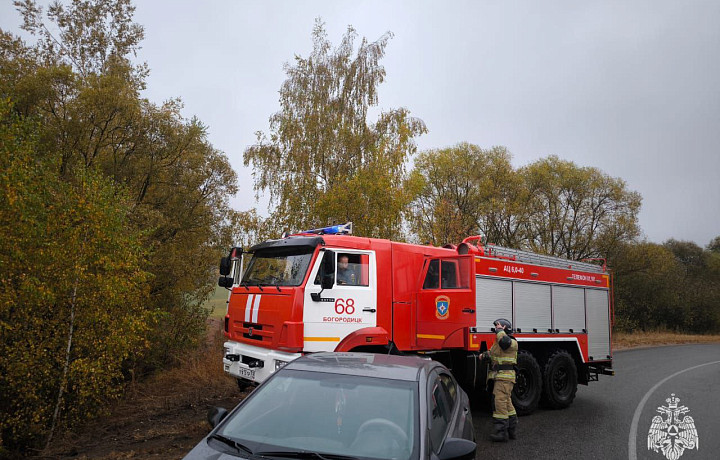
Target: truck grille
(252, 331)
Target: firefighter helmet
(503, 322)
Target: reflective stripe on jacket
(499, 356)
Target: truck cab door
(446, 302)
(348, 304)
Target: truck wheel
(559, 380)
(528, 384)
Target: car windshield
(363, 417)
(278, 268)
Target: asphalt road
(610, 419)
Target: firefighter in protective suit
(503, 358)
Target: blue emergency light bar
(345, 229)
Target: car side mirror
(457, 449)
(215, 415)
(225, 266)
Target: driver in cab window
(345, 272)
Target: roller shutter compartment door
(493, 300)
(568, 308)
(598, 323)
(532, 307)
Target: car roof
(364, 364)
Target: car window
(450, 387)
(440, 411)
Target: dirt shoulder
(161, 418)
(624, 340)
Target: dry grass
(162, 417)
(623, 340)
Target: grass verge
(217, 303)
(624, 340)
(162, 417)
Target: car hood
(204, 452)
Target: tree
(322, 161)
(92, 34)
(674, 286)
(699, 286)
(577, 212)
(550, 206)
(117, 212)
(462, 190)
(714, 245)
(72, 293)
(647, 281)
(688, 254)
(249, 228)
(84, 88)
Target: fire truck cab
(325, 290)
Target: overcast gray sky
(630, 87)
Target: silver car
(341, 406)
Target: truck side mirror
(328, 270)
(225, 281)
(225, 266)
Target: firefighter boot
(501, 430)
(512, 427)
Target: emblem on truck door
(442, 307)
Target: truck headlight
(279, 364)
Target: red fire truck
(326, 290)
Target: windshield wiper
(252, 283)
(306, 455)
(232, 443)
(269, 285)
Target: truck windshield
(278, 268)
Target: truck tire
(528, 384)
(559, 380)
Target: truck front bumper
(251, 363)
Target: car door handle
(468, 310)
(369, 310)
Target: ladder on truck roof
(539, 259)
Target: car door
(331, 314)
(449, 413)
(461, 422)
(440, 410)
